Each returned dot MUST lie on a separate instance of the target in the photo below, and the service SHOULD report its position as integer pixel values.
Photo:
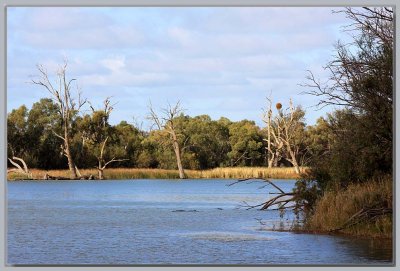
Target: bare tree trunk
(178, 156)
(71, 163)
(274, 142)
(294, 162)
(100, 171)
(270, 159)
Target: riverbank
(146, 173)
(359, 210)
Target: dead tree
(281, 134)
(290, 124)
(167, 122)
(274, 142)
(18, 168)
(267, 119)
(102, 163)
(68, 107)
(96, 133)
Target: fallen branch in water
(281, 200)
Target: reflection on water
(373, 249)
(164, 222)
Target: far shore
(150, 173)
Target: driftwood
(280, 201)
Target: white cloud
(119, 74)
(211, 58)
(61, 19)
(114, 64)
(72, 28)
(181, 36)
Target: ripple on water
(226, 236)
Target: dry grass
(245, 172)
(145, 173)
(335, 208)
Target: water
(163, 222)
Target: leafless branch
(112, 161)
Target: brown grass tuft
(335, 208)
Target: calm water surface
(164, 222)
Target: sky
(220, 61)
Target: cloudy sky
(216, 61)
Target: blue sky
(216, 61)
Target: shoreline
(287, 173)
(338, 233)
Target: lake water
(164, 222)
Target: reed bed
(246, 172)
(336, 208)
(147, 173)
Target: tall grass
(146, 173)
(335, 208)
(245, 172)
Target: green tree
(361, 80)
(19, 142)
(246, 144)
(128, 144)
(42, 120)
(17, 126)
(207, 142)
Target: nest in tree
(278, 106)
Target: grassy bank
(358, 210)
(145, 173)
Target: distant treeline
(205, 143)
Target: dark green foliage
(30, 135)
(128, 144)
(17, 127)
(246, 144)
(206, 143)
(354, 144)
(42, 120)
